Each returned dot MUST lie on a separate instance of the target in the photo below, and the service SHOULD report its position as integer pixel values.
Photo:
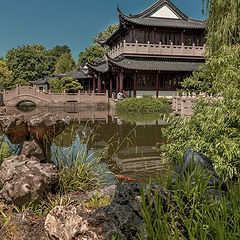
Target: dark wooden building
(150, 52)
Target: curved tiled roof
(156, 64)
(77, 74)
(41, 81)
(164, 22)
(102, 67)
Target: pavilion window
(127, 37)
(146, 36)
(153, 80)
(158, 38)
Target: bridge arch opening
(26, 106)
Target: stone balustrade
(40, 98)
(182, 105)
(156, 49)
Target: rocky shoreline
(31, 177)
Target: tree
(223, 20)
(90, 54)
(5, 75)
(55, 85)
(30, 62)
(58, 51)
(20, 82)
(70, 85)
(214, 128)
(65, 63)
(222, 55)
(96, 51)
(107, 32)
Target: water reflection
(129, 145)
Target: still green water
(129, 144)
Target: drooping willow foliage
(223, 23)
(214, 129)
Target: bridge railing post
(79, 96)
(106, 96)
(17, 91)
(50, 95)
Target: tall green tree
(106, 33)
(58, 51)
(5, 75)
(223, 20)
(90, 54)
(30, 62)
(215, 127)
(65, 63)
(96, 51)
(222, 53)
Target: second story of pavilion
(162, 30)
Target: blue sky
(70, 22)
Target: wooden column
(111, 86)
(182, 38)
(131, 34)
(135, 85)
(94, 84)
(153, 36)
(157, 84)
(117, 83)
(99, 83)
(121, 81)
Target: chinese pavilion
(150, 52)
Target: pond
(128, 145)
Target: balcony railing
(156, 49)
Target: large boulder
(33, 149)
(15, 128)
(34, 133)
(26, 179)
(47, 126)
(193, 160)
(68, 223)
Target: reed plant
(79, 168)
(192, 210)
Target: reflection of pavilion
(136, 156)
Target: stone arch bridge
(25, 93)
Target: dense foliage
(143, 105)
(65, 64)
(5, 75)
(30, 62)
(214, 129)
(68, 84)
(220, 74)
(223, 18)
(96, 51)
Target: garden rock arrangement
(25, 179)
(28, 177)
(39, 130)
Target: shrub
(214, 130)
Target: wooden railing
(21, 93)
(182, 105)
(156, 49)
